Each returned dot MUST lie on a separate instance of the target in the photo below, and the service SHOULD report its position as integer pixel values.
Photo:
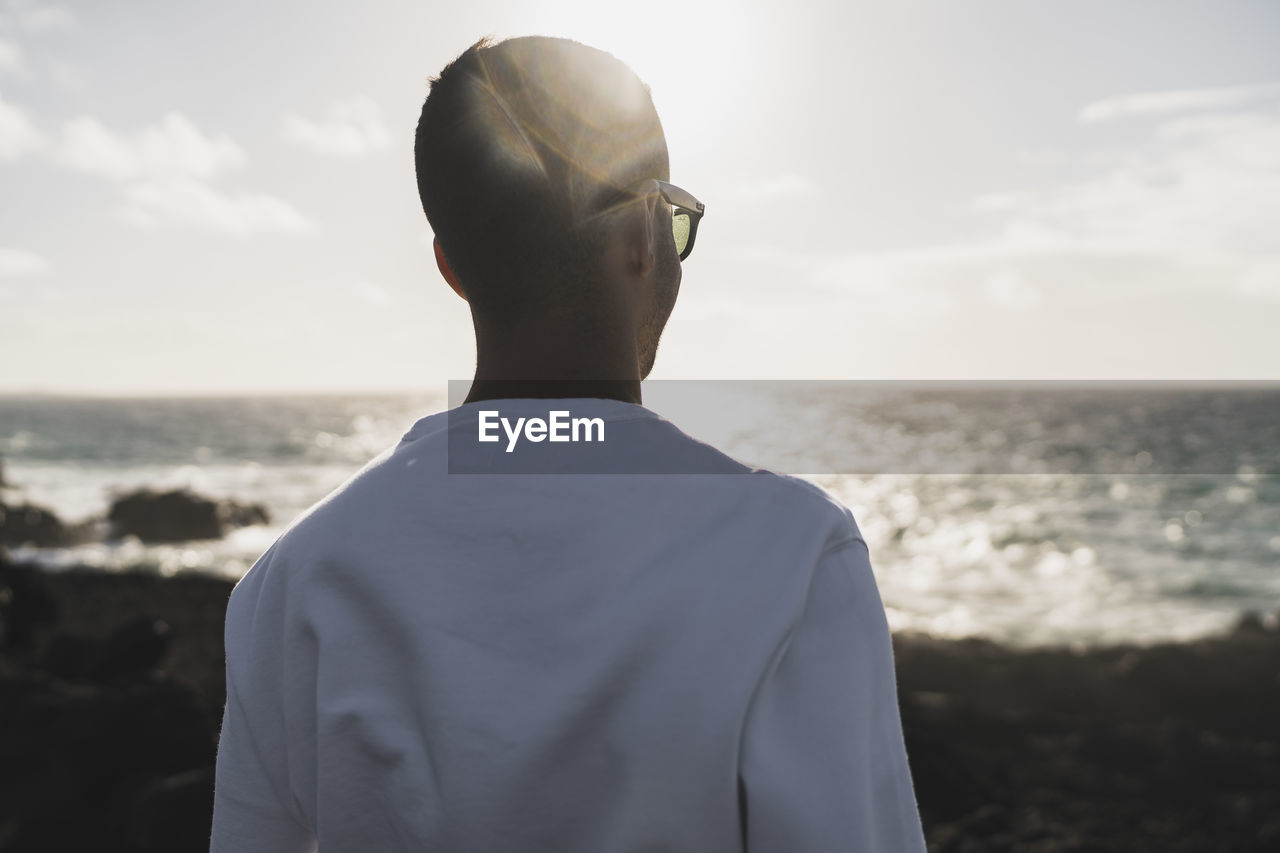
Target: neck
(626, 390)
(515, 363)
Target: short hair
(518, 145)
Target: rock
(236, 514)
(98, 750)
(69, 656)
(174, 813)
(28, 524)
(131, 651)
(1252, 622)
(88, 752)
(135, 648)
(178, 515)
(165, 516)
(26, 604)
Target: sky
(220, 198)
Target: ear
(643, 243)
(446, 270)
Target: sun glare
(694, 56)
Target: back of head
(519, 144)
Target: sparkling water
(1067, 515)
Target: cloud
(165, 172)
(185, 201)
(1008, 289)
(374, 294)
(1202, 188)
(11, 57)
(173, 147)
(999, 201)
(38, 17)
(67, 75)
(1191, 206)
(26, 17)
(18, 262)
(882, 288)
(775, 188)
(18, 134)
(1182, 100)
(352, 128)
(895, 273)
(1261, 282)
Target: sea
(1032, 514)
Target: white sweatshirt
(571, 662)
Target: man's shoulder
(782, 496)
(328, 520)
(803, 497)
(361, 508)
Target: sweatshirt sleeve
(823, 764)
(249, 812)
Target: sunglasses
(686, 212)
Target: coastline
(111, 686)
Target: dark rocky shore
(111, 693)
(176, 515)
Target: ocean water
(1031, 514)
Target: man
(633, 643)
